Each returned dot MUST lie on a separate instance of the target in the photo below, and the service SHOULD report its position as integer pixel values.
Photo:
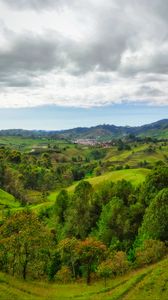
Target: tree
(123, 189)
(155, 181)
(79, 215)
(105, 269)
(67, 250)
(113, 225)
(155, 222)
(90, 253)
(25, 244)
(61, 205)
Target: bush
(120, 263)
(151, 251)
(116, 265)
(105, 269)
(64, 275)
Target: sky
(83, 62)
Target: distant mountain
(157, 129)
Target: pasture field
(27, 144)
(136, 155)
(148, 283)
(135, 176)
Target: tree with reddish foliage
(90, 253)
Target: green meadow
(148, 283)
(135, 176)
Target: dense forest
(71, 212)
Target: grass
(7, 200)
(148, 283)
(136, 155)
(26, 144)
(136, 176)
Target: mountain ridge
(158, 129)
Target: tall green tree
(155, 222)
(61, 205)
(155, 181)
(113, 225)
(79, 216)
(24, 243)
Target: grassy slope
(148, 283)
(136, 176)
(135, 155)
(7, 200)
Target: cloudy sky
(84, 55)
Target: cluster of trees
(20, 172)
(105, 232)
(44, 171)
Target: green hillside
(136, 176)
(7, 200)
(148, 283)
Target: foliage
(24, 245)
(155, 222)
(90, 253)
(77, 229)
(155, 181)
(68, 254)
(120, 263)
(113, 224)
(151, 251)
(61, 205)
(105, 269)
(79, 215)
(64, 275)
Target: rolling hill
(157, 129)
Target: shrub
(120, 263)
(105, 269)
(151, 251)
(116, 265)
(64, 275)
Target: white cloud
(89, 53)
